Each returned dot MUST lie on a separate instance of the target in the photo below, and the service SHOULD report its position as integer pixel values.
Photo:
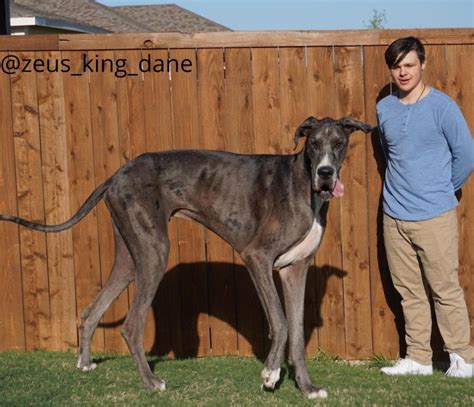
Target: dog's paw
(270, 378)
(320, 393)
(155, 384)
(161, 386)
(85, 367)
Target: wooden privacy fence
(69, 118)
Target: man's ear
(351, 125)
(305, 128)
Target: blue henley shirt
(430, 154)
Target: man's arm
(461, 144)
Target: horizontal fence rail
(74, 108)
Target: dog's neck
(303, 167)
(316, 203)
(318, 206)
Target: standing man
(430, 155)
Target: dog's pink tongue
(338, 190)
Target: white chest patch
(302, 249)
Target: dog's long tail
(86, 207)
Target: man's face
(407, 73)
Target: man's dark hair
(398, 50)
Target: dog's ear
(305, 128)
(351, 125)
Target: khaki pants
(427, 252)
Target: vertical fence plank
(239, 100)
(460, 86)
(294, 105)
(40, 330)
(212, 100)
(193, 280)
(157, 104)
(329, 305)
(56, 200)
(435, 71)
(159, 136)
(132, 138)
(385, 300)
(220, 268)
(349, 83)
(12, 322)
(82, 182)
(240, 130)
(131, 108)
(107, 161)
(266, 100)
(295, 108)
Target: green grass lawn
(50, 378)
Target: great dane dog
(267, 207)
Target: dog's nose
(325, 172)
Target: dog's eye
(338, 145)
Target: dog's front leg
(260, 269)
(293, 283)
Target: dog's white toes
(83, 366)
(154, 383)
(161, 386)
(88, 368)
(270, 378)
(318, 394)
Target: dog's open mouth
(327, 192)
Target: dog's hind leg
(293, 280)
(123, 272)
(261, 271)
(150, 252)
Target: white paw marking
(92, 366)
(319, 394)
(270, 377)
(87, 368)
(162, 386)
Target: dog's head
(325, 149)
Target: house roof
(170, 17)
(91, 16)
(24, 15)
